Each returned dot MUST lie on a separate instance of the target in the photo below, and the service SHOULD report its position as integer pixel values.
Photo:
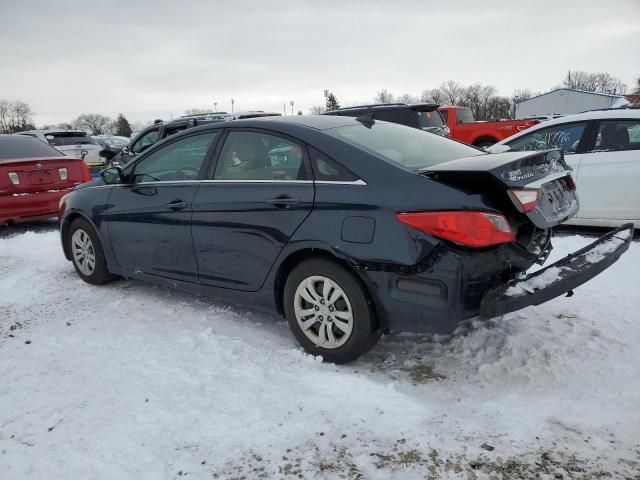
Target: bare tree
(15, 116)
(407, 98)
(600, 82)
(452, 92)
(434, 95)
(94, 122)
(384, 96)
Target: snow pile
(545, 278)
(599, 252)
(135, 381)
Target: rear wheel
(484, 143)
(329, 312)
(87, 254)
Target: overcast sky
(158, 58)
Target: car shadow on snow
(9, 231)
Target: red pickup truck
(465, 128)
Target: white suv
(603, 148)
(72, 143)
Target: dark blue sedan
(348, 227)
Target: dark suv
(424, 116)
(160, 130)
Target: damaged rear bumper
(559, 278)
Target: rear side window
(259, 156)
(21, 146)
(565, 137)
(328, 170)
(614, 135)
(61, 139)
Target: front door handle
(177, 205)
(284, 201)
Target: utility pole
(215, 106)
(232, 105)
(291, 102)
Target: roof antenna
(367, 120)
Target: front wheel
(87, 254)
(329, 312)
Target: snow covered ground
(132, 381)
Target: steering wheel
(186, 173)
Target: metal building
(566, 101)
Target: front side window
(405, 146)
(614, 135)
(565, 137)
(145, 141)
(259, 156)
(177, 161)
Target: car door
(149, 218)
(609, 172)
(259, 193)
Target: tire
(330, 331)
(84, 245)
(484, 144)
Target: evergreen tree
(122, 127)
(332, 102)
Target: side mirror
(112, 176)
(125, 150)
(498, 148)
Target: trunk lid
(545, 175)
(30, 175)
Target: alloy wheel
(84, 253)
(323, 312)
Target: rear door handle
(284, 201)
(177, 205)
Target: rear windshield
(21, 146)
(60, 139)
(430, 119)
(408, 147)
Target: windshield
(405, 146)
(59, 139)
(430, 119)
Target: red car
(464, 128)
(33, 177)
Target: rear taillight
(63, 173)
(13, 176)
(524, 199)
(86, 172)
(473, 229)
